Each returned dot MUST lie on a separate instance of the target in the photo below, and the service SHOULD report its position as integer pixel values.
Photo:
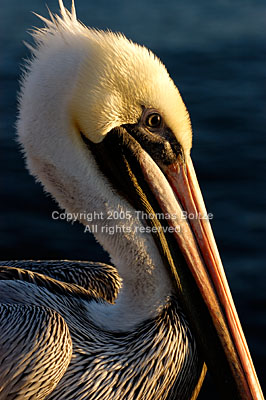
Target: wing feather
(78, 278)
(35, 348)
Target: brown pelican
(105, 130)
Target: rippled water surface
(215, 52)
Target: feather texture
(47, 336)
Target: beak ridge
(185, 185)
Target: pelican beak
(210, 308)
(188, 250)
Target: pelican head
(104, 129)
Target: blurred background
(215, 52)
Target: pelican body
(104, 129)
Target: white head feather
(114, 78)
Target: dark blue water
(215, 52)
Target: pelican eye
(153, 120)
